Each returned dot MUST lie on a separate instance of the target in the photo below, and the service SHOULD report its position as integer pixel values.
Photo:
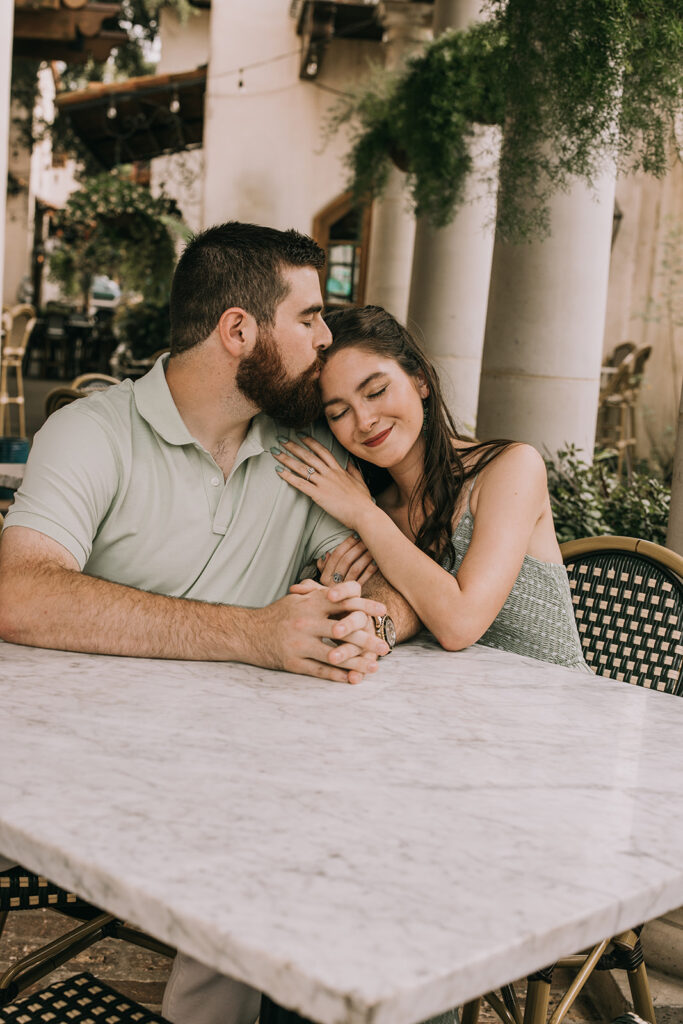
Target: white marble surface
(11, 474)
(371, 853)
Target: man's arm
(45, 601)
(405, 620)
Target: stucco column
(407, 26)
(546, 316)
(6, 31)
(674, 533)
(452, 265)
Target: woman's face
(374, 408)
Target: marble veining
(374, 853)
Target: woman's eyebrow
(363, 383)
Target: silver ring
(309, 473)
(337, 577)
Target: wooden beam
(63, 24)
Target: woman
(462, 529)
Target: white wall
(264, 154)
(184, 47)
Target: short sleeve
(326, 532)
(70, 481)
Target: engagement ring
(337, 577)
(309, 473)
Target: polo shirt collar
(155, 404)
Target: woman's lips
(372, 442)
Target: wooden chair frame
(12, 359)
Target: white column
(6, 30)
(543, 347)
(390, 255)
(452, 265)
(674, 533)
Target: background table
(11, 474)
(378, 852)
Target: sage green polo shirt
(118, 480)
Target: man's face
(280, 376)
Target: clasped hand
(311, 616)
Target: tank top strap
(469, 492)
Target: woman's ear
(422, 386)
(237, 331)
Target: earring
(425, 416)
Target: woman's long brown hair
(437, 492)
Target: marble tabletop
(375, 853)
(11, 474)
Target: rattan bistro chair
(23, 890)
(628, 602)
(81, 999)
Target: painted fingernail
(283, 440)
(279, 469)
(300, 433)
(275, 451)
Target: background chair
(89, 382)
(18, 323)
(81, 999)
(628, 602)
(22, 890)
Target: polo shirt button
(215, 481)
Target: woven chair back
(628, 605)
(22, 320)
(59, 397)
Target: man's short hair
(234, 264)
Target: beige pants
(196, 994)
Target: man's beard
(262, 378)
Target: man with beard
(151, 521)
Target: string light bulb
(112, 111)
(174, 105)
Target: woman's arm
(511, 499)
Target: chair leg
(3, 394)
(640, 993)
(537, 998)
(3, 920)
(470, 1012)
(20, 400)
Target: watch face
(389, 632)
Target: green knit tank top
(537, 618)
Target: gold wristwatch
(385, 630)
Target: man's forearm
(405, 620)
(50, 606)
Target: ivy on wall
(575, 84)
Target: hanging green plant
(114, 226)
(576, 84)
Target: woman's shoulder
(519, 461)
(516, 456)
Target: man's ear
(237, 331)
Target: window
(343, 230)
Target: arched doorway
(342, 228)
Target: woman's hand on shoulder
(312, 469)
